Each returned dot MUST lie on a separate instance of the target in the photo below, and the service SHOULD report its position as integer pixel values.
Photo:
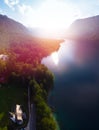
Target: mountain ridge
(12, 32)
(84, 29)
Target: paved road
(32, 116)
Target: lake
(76, 91)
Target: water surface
(76, 92)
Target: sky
(48, 14)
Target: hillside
(85, 34)
(12, 32)
(84, 29)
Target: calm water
(76, 93)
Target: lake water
(76, 93)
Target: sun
(55, 58)
(52, 16)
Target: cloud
(25, 9)
(11, 3)
(28, 15)
(87, 8)
(53, 14)
(1, 11)
(47, 13)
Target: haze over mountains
(85, 32)
(12, 32)
(82, 30)
(11, 26)
(87, 28)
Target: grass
(9, 97)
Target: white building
(17, 116)
(3, 57)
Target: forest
(20, 67)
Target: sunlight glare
(53, 16)
(55, 58)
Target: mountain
(11, 26)
(85, 35)
(84, 29)
(13, 32)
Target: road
(32, 124)
(32, 116)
